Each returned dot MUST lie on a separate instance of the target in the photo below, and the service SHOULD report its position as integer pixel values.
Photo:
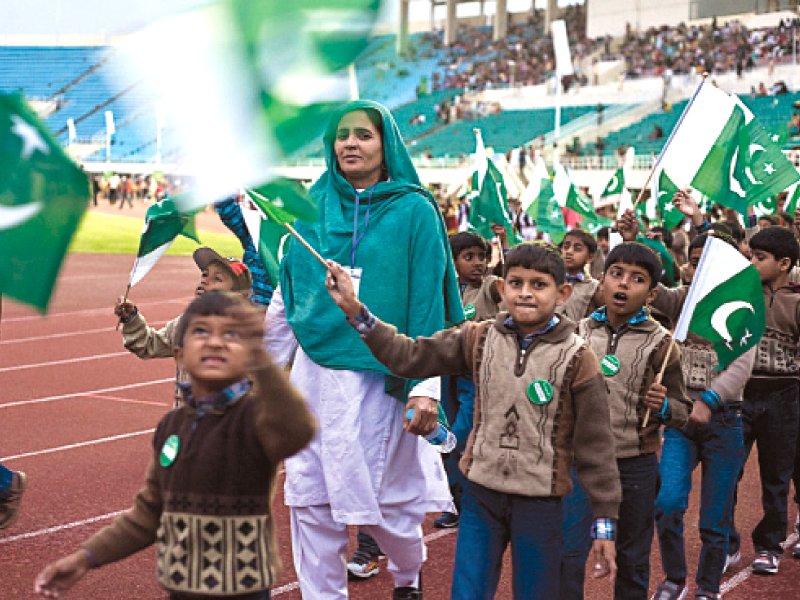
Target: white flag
(110, 129)
(561, 48)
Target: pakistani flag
(567, 194)
(272, 71)
(663, 190)
(265, 210)
(725, 304)
(43, 195)
(537, 179)
(546, 211)
(615, 185)
(720, 149)
(489, 197)
(163, 222)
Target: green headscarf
(408, 276)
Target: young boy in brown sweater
(632, 347)
(578, 249)
(207, 498)
(539, 401)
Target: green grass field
(109, 234)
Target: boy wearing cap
(216, 273)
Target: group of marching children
(561, 388)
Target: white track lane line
(52, 336)
(65, 361)
(290, 587)
(50, 530)
(105, 310)
(105, 440)
(115, 388)
(745, 573)
(127, 400)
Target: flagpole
(660, 376)
(669, 139)
(124, 300)
(296, 235)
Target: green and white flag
(720, 149)
(725, 303)
(265, 210)
(546, 211)
(489, 197)
(163, 222)
(568, 194)
(663, 189)
(246, 83)
(43, 196)
(615, 185)
(537, 178)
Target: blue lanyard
(356, 236)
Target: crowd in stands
(124, 189)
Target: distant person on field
(207, 498)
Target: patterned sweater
(522, 442)
(484, 298)
(640, 346)
(777, 354)
(207, 502)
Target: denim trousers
(489, 521)
(770, 420)
(458, 403)
(719, 448)
(639, 478)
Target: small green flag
(546, 211)
(615, 185)
(489, 203)
(265, 211)
(664, 191)
(163, 222)
(725, 303)
(43, 196)
(794, 196)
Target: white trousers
(319, 548)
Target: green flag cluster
(43, 196)
(663, 191)
(489, 204)
(163, 222)
(720, 149)
(266, 210)
(725, 303)
(615, 185)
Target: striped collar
(640, 317)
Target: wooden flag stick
(660, 376)
(124, 300)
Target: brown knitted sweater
(209, 511)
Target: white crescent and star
(719, 319)
(612, 185)
(31, 140)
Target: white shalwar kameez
(361, 468)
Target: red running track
(77, 413)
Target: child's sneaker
(766, 563)
(446, 520)
(408, 592)
(704, 595)
(731, 560)
(669, 590)
(9, 504)
(363, 565)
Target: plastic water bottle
(440, 438)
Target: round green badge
(609, 364)
(540, 391)
(469, 311)
(170, 450)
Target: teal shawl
(408, 276)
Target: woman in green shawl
(367, 466)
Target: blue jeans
(489, 521)
(719, 446)
(770, 420)
(577, 529)
(639, 478)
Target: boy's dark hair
(210, 304)
(729, 228)
(603, 233)
(467, 239)
(771, 218)
(778, 241)
(701, 239)
(636, 253)
(583, 236)
(539, 256)
(666, 235)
